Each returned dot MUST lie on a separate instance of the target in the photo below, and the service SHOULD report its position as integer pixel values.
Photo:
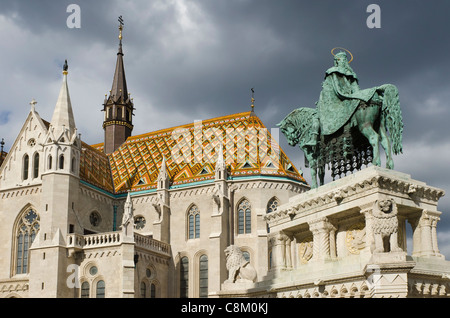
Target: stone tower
(60, 191)
(118, 107)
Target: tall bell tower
(118, 106)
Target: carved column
(416, 235)
(424, 234)
(276, 252)
(281, 251)
(285, 249)
(367, 212)
(434, 221)
(324, 243)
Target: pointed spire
(119, 86)
(127, 218)
(163, 170)
(163, 181)
(118, 107)
(221, 166)
(62, 115)
(128, 202)
(220, 163)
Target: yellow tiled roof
(190, 154)
(94, 168)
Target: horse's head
(289, 131)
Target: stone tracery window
(272, 206)
(139, 222)
(244, 217)
(193, 222)
(26, 231)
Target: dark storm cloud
(189, 60)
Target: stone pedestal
(350, 235)
(388, 280)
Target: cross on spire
(253, 98)
(120, 27)
(33, 104)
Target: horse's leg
(321, 175)
(386, 143)
(313, 177)
(312, 166)
(365, 118)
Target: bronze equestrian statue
(346, 128)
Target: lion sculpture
(385, 227)
(239, 269)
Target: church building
(138, 216)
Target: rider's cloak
(339, 98)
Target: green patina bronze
(346, 128)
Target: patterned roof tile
(191, 153)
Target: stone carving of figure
(306, 250)
(239, 269)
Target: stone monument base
(348, 239)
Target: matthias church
(135, 216)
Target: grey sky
(189, 60)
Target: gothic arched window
(26, 163)
(100, 289)
(73, 164)
(193, 222)
(36, 165)
(244, 217)
(152, 291)
(184, 277)
(26, 230)
(143, 290)
(84, 290)
(203, 276)
(272, 206)
(61, 162)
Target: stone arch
(25, 228)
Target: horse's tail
(393, 117)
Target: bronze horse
(346, 135)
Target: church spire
(118, 107)
(63, 119)
(119, 87)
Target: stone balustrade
(94, 240)
(151, 244)
(108, 239)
